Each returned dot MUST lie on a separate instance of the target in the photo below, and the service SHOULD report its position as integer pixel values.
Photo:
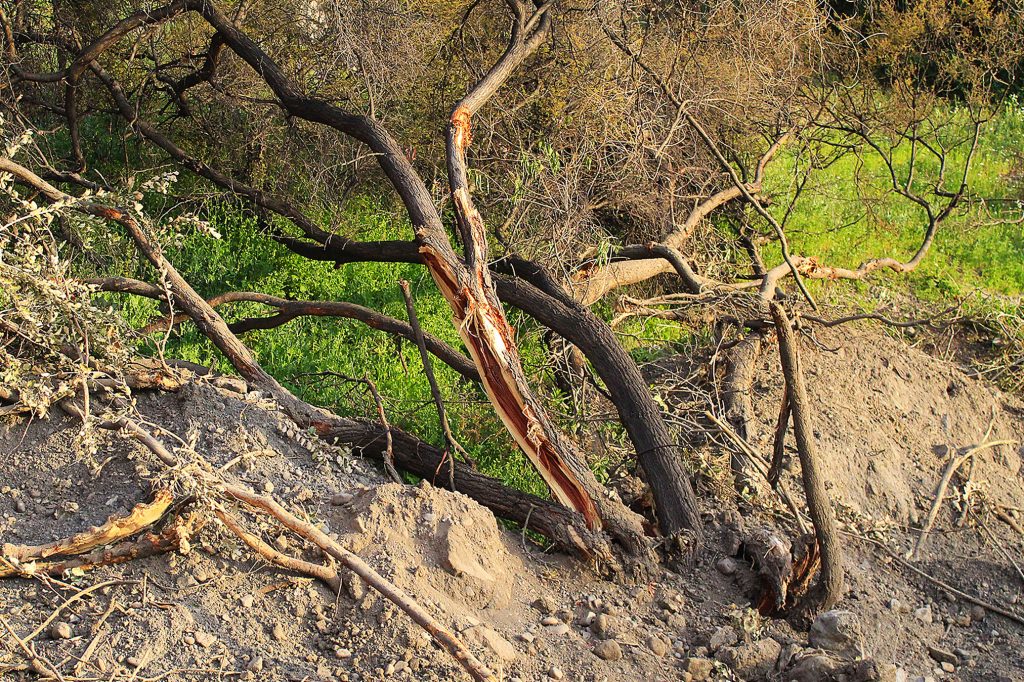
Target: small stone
(948, 667)
(559, 630)
(343, 654)
(924, 614)
(281, 542)
(942, 655)
(699, 669)
(340, 499)
(550, 620)
(61, 630)
(555, 673)
(19, 506)
(527, 637)
(837, 631)
(608, 650)
(268, 487)
(247, 601)
(278, 632)
(726, 566)
(544, 604)
(256, 664)
(602, 626)
(587, 618)
(724, 636)
(205, 639)
(658, 646)
(133, 662)
(978, 614)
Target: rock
(602, 627)
(205, 639)
(550, 620)
(256, 664)
(278, 632)
(555, 673)
(724, 636)
(699, 669)
(870, 670)
(978, 614)
(948, 667)
(19, 506)
(658, 645)
(559, 630)
(61, 630)
(134, 662)
(340, 499)
(545, 605)
(608, 650)
(343, 654)
(268, 487)
(726, 566)
(587, 618)
(247, 601)
(942, 655)
(485, 636)
(924, 614)
(281, 542)
(527, 637)
(751, 661)
(813, 667)
(837, 631)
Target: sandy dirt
(887, 416)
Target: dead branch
(115, 528)
(830, 586)
(289, 310)
(451, 445)
(325, 574)
(392, 592)
(954, 463)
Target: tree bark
(830, 585)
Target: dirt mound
(217, 612)
(887, 417)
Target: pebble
(559, 630)
(205, 639)
(60, 630)
(247, 601)
(608, 650)
(527, 637)
(343, 654)
(724, 636)
(924, 614)
(726, 566)
(978, 614)
(942, 655)
(256, 665)
(340, 499)
(268, 487)
(19, 506)
(278, 632)
(133, 662)
(601, 626)
(555, 673)
(658, 646)
(948, 667)
(550, 620)
(544, 604)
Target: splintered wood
(115, 528)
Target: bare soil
(887, 416)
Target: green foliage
(846, 215)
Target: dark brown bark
(830, 585)
(289, 310)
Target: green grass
(844, 223)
